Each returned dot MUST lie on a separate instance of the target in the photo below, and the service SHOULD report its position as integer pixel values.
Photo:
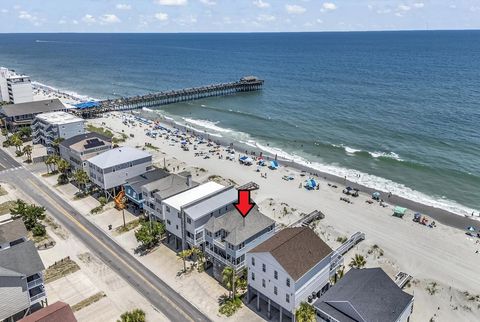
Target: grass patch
(342, 239)
(151, 146)
(60, 269)
(129, 226)
(6, 206)
(3, 192)
(100, 130)
(89, 300)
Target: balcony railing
(36, 298)
(35, 283)
(226, 262)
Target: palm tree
(63, 166)
(358, 261)
(184, 254)
(56, 144)
(28, 149)
(229, 279)
(16, 141)
(339, 274)
(81, 177)
(305, 313)
(133, 316)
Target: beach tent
(399, 211)
(248, 161)
(242, 159)
(261, 162)
(310, 184)
(471, 228)
(273, 165)
(376, 195)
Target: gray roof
(169, 186)
(12, 231)
(212, 202)
(82, 137)
(34, 107)
(239, 230)
(118, 156)
(137, 182)
(4, 272)
(22, 258)
(364, 295)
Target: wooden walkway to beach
(245, 84)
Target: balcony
(226, 262)
(37, 294)
(36, 281)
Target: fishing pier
(245, 84)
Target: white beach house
(79, 148)
(291, 267)
(111, 169)
(186, 213)
(47, 127)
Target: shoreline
(441, 215)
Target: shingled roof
(12, 231)
(297, 249)
(364, 295)
(56, 312)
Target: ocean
(395, 111)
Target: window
(264, 268)
(287, 298)
(179, 215)
(253, 276)
(253, 261)
(275, 291)
(275, 275)
(168, 209)
(176, 226)
(263, 282)
(168, 222)
(288, 282)
(189, 220)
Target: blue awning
(86, 105)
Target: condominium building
(47, 127)
(79, 148)
(291, 267)
(230, 236)
(155, 192)
(14, 116)
(112, 169)
(15, 88)
(21, 273)
(187, 213)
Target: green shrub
(39, 230)
(230, 306)
(62, 179)
(102, 200)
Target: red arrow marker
(244, 204)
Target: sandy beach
(444, 255)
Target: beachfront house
(155, 192)
(48, 127)
(133, 186)
(15, 88)
(21, 273)
(56, 312)
(14, 116)
(111, 169)
(187, 213)
(364, 295)
(291, 267)
(230, 236)
(79, 148)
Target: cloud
(384, 11)
(75, 22)
(123, 6)
(88, 19)
(261, 4)
(329, 6)
(161, 16)
(4, 10)
(403, 7)
(294, 9)
(172, 3)
(62, 22)
(25, 16)
(208, 2)
(419, 5)
(266, 18)
(109, 18)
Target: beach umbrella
(470, 228)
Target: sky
(235, 15)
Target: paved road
(7, 162)
(160, 295)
